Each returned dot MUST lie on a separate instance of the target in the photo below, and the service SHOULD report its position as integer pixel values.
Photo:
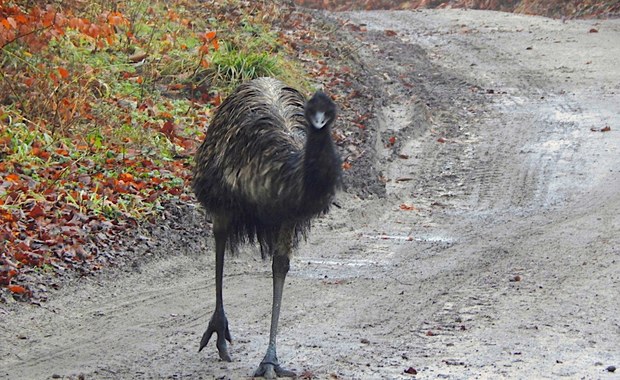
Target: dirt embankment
(550, 8)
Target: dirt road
(495, 254)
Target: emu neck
(321, 166)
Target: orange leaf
(210, 35)
(93, 31)
(6, 216)
(407, 207)
(17, 289)
(48, 18)
(172, 15)
(6, 24)
(63, 72)
(12, 178)
(21, 19)
(116, 18)
(216, 45)
(126, 177)
(346, 165)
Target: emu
(267, 166)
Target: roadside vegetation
(102, 105)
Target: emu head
(320, 111)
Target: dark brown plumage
(266, 167)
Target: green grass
(231, 66)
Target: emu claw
(271, 371)
(218, 324)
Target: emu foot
(270, 368)
(271, 371)
(218, 324)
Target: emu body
(266, 167)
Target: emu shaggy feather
(262, 167)
(267, 166)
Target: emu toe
(219, 325)
(272, 371)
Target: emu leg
(270, 367)
(218, 322)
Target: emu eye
(319, 120)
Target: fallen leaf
(407, 207)
(411, 371)
(168, 130)
(593, 30)
(64, 73)
(137, 57)
(390, 33)
(604, 129)
(125, 177)
(403, 179)
(36, 211)
(17, 289)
